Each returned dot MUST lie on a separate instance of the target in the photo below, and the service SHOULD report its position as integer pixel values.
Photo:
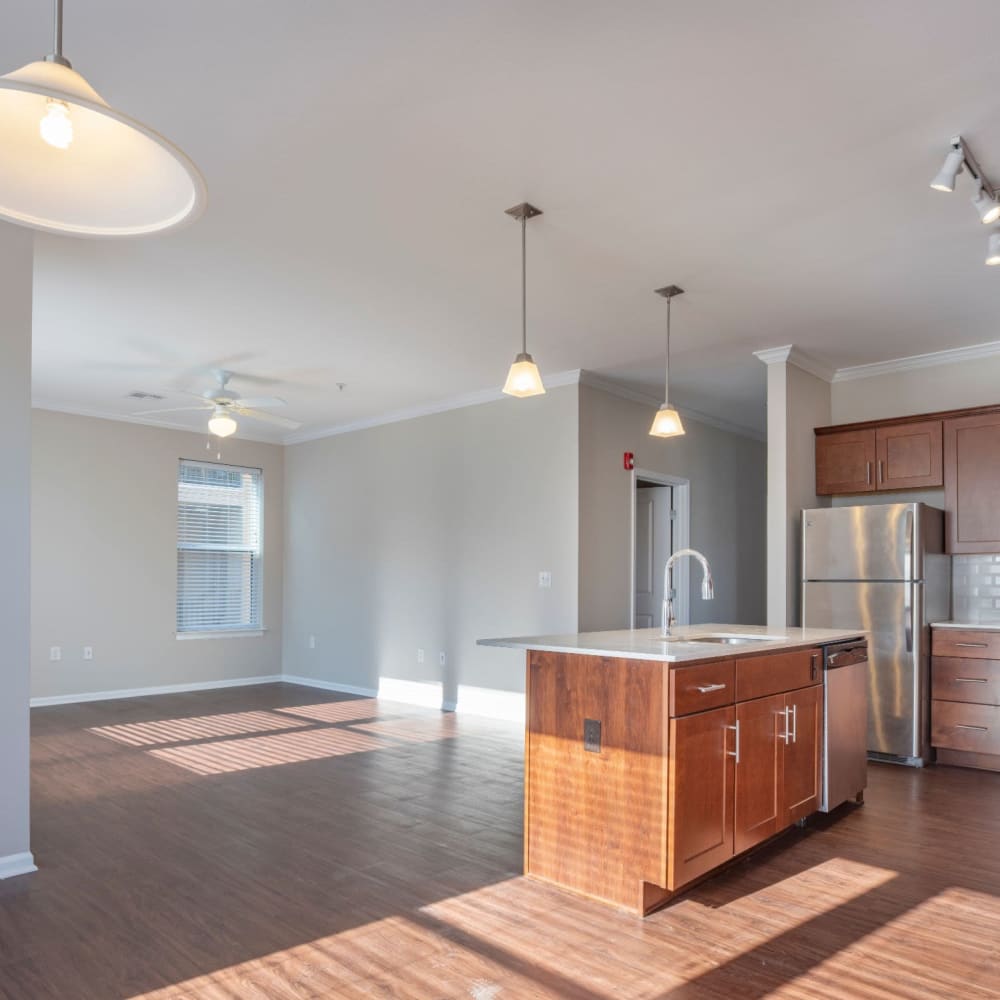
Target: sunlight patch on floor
(200, 727)
(335, 711)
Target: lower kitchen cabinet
(801, 754)
(758, 794)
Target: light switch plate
(545, 579)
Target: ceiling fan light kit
(524, 378)
(667, 422)
(986, 198)
(74, 165)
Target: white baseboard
(17, 864)
(72, 699)
(312, 682)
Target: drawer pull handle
(972, 645)
(970, 680)
(978, 729)
(706, 688)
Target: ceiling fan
(226, 405)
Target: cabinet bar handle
(978, 729)
(970, 680)
(880, 476)
(795, 723)
(785, 735)
(868, 473)
(706, 688)
(735, 753)
(972, 645)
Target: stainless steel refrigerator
(882, 568)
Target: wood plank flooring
(278, 842)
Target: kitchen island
(650, 763)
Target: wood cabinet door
(758, 784)
(972, 482)
(909, 456)
(845, 462)
(801, 763)
(700, 783)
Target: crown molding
(163, 425)
(950, 356)
(613, 388)
(553, 381)
(794, 356)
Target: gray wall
(728, 502)
(429, 534)
(104, 558)
(15, 514)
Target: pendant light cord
(666, 380)
(56, 55)
(524, 284)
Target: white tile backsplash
(975, 589)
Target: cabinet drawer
(708, 685)
(974, 643)
(759, 676)
(956, 678)
(974, 728)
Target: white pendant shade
(222, 424)
(666, 423)
(71, 164)
(524, 378)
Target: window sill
(222, 633)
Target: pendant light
(72, 164)
(667, 422)
(524, 379)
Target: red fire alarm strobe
(628, 461)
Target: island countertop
(647, 643)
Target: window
(218, 548)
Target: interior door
(758, 795)
(700, 811)
(801, 764)
(653, 545)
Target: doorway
(660, 526)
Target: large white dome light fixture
(71, 164)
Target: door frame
(681, 539)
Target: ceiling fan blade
(254, 402)
(171, 409)
(267, 418)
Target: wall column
(798, 400)
(16, 260)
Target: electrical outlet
(545, 579)
(420, 656)
(88, 652)
(444, 659)
(312, 642)
(55, 653)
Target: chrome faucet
(707, 586)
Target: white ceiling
(772, 158)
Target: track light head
(993, 249)
(986, 206)
(952, 167)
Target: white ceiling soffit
(773, 160)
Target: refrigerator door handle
(908, 615)
(908, 544)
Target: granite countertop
(978, 626)
(646, 643)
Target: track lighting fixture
(667, 422)
(986, 200)
(945, 179)
(524, 379)
(993, 250)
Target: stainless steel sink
(732, 640)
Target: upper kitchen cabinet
(845, 461)
(867, 458)
(972, 482)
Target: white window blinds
(218, 547)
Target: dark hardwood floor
(280, 842)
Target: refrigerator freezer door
(877, 542)
(892, 614)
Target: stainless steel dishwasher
(845, 723)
